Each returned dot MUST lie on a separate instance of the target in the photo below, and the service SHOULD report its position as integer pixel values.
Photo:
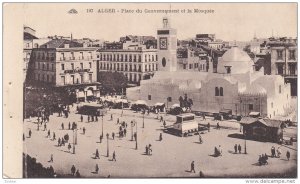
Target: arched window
(216, 91)
(163, 62)
(221, 91)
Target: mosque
(236, 86)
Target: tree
(112, 82)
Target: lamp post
(73, 141)
(136, 145)
(131, 130)
(122, 102)
(245, 142)
(102, 123)
(75, 136)
(143, 118)
(107, 136)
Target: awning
(159, 104)
(89, 93)
(140, 102)
(254, 113)
(175, 105)
(80, 94)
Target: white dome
(238, 61)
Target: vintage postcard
(150, 90)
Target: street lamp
(102, 123)
(144, 118)
(245, 142)
(136, 145)
(73, 142)
(75, 135)
(131, 130)
(122, 102)
(107, 136)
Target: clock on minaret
(163, 43)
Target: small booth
(175, 109)
(139, 105)
(262, 129)
(254, 114)
(160, 107)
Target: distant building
(136, 63)
(235, 87)
(192, 58)
(30, 41)
(65, 63)
(148, 41)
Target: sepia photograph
(153, 90)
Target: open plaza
(171, 157)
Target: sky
(230, 21)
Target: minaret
(167, 47)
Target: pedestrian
(97, 154)
(96, 169)
(58, 142)
(147, 150)
(93, 119)
(73, 169)
(273, 151)
(69, 126)
(164, 124)
(23, 137)
(203, 116)
(62, 126)
(62, 141)
(111, 117)
(118, 121)
(161, 119)
(218, 126)
(81, 118)
(48, 135)
(114, 156)
(220, 150)
(83, 129)
(200, 139)
(193, 167)
(288, 155)
(160, 137)
(69, 147)
(45, 127)
(88, 118)
(77, 174)
(150, 149)
(124, 131)
(278, 152)
(54, 137)
(135, 136)
(235, 148)
(96, 118)
(240, 148)
(113, 135)
(51, 158)
(29, 133)
(201, 175)
(208, 126)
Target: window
(47, 66)
(81, 65)
(292, 54)
(169, 99)
(250, 107)
(81, 78)
(62, 66)
(279, 54)
(190, 66)
(279, 89)
(72, 66)
(163, 62)
(90, 64)
(221, 91)
(62, 56)
(184, 66)
(140, 58)
(90, 77)
(72, 79)
(63, 80)
(52, 66)
(217, 91)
